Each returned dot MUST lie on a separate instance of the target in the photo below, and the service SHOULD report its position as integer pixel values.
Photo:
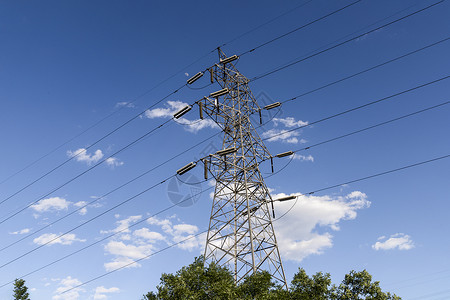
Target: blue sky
(66, 65)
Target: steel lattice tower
(241, 234)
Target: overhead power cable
(106, 194)
(344, 42)
(366, 70)
(310, 193)
(115, 233)
(133, 101)
(57, 167)
(265, 23)
(85, 222)
(373, 126)
(85, 171)
(357, 108)
(301, 27)
(172, 206)
(136, 261)
(90, 146)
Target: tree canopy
(198, 281)
(20, 290)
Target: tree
(359, 285)
(196, 282)
(20, 290)
(215, 282)
(317, 287)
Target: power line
(107, 194)
(344, 42)
(310, 193)
(107, 237)
(134, 100)
(366, 70)
(301, 27)
(380, 174)
(135, 261)
(85, 171)
(358, 107)
(172, 206)
(365, 178)
(373, 126)
(90, 146)
(268, 22)
(86, 222)
(114, 112)
(60, 165)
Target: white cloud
(303, 157)
(151, 236)
(66, 284)
(283, 135)
(168, 112)
(196, 125)
(114, 162)
(142, 242)
(289, 122)
(121, 262)
(51, 204)
(174, 106)
(66, 239)
(100, 292)
(398, 241)
(79, 204)
(123, 225)
(22, 231)
(185, 228)
(124, 104)
(119, 248)
(308, 215)
(81, 155)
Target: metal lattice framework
(241, 234)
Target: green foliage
(317, 287)
(197, 282)
(359, 285)
(20, 290)
(215, 282)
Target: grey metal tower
(241, 234)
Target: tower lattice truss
(241, 235)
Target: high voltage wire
(267, 138)
(134, 100)
(357, 107)
(366, 70)
(90, 146)
(111, 114)
(344, 42)
(298, 28)
(124, 124)
(108, 236)
(357, 31)
(333, 83)
(268, 22)
(118, 205)
(310, 193)
(107, 194)
(84, 172)
(373, 126)
(86, 222)
(390, 61)
(172, 206)
(136, 261)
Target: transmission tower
(241, 234)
